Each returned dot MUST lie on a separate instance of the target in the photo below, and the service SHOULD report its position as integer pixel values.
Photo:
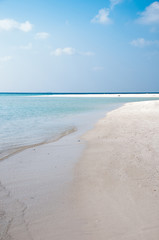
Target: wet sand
(35, 203)
(110, 193)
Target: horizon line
(71, 93)
(80, 93)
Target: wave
(12, 151)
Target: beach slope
(116, 184)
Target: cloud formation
(150, 15)
(113, 3)
(5, 58)
(42, 35)
(141, 42)
(63, 51)
(69, 51)
(11, 24)
(102, 16)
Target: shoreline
(64, 190)
(92, 115)
(4, 154)
(117, 176)
(12, 152)
(34, 190)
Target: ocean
(31, 119)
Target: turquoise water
(31, 119)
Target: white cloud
(64, 51)
(141, 42)
(25, 27)
(113, 3)
(102, 16)
(150, 15)
(5, 58)
(70, 51)
(11, 24)
(42, 35)
(26, 47)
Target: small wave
(10, 152)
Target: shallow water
(37, 194)
(28, 119)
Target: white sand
(115, 191)
(117, 179)
(107, 95)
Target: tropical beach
(103, 184)
(79, 120)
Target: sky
(79, 46)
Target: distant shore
(126, 95)
(93, 94)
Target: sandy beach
(79, 120)
(111, 192)
(117, 179)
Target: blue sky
(79, 46)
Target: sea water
(29, 119)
